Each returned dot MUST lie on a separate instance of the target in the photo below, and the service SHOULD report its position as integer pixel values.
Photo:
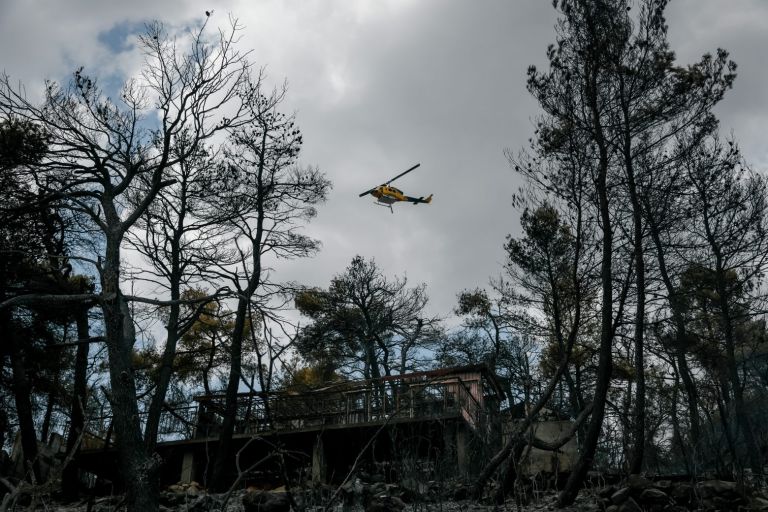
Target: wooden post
(445, 397)
(346, 410)
(318, 461)
(187, 467)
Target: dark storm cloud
(444, 85)
(380, 85)
(741, 27)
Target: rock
(620, 496)
(377, 489)
(352, 492)
(612, 508)
(172, 499)
(720, 503)
(462, 492)
(712, 488)
(653, 496)
(637, 482)
(396, 491)
(682, 493)
(263, 501)
(385, 504)
(721, 495)
(607, 491)
(664, 485)
(203, 503)
(758, 503)
(630, 506)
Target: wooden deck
(342, 405)
(449, 415)
(465, 393)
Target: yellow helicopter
(387, 196)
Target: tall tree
(268, 196)
(34, 243)
(104, 152)
(731, 227)
(611, 85)
(572, 95)
(179, 236)
(654, 105)
(365, 322)
(543, 267)
(547, 270)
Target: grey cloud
(381, 85)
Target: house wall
(542, 461)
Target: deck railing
(343, 405)
(347, 403)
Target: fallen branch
(36, 299)
(553, 446)
(241, 474)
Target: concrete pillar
(187, 467)
(318, 461)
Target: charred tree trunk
(139, 470)
(22, 391)
(676, 308)
(70, 476)
(169, 354)
(742, 418)
(638, 418)
(50, 404)
(223, 451)
(605, 364)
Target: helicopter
(387, 196)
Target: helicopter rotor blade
(402, 174)
(373, 189)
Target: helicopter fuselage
(388, 195)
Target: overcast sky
(379, 85)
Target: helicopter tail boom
(417, 200)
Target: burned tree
(365, 323)
(108, 159)
(612, 88)
(267, 196)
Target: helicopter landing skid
(385, 205)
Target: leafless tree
(268, 196)
(108, 160)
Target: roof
(351, 385)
